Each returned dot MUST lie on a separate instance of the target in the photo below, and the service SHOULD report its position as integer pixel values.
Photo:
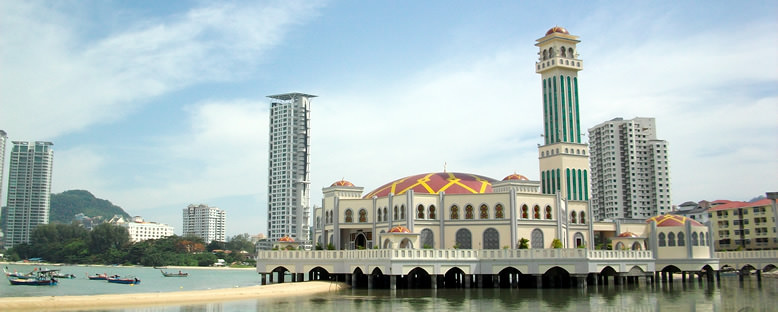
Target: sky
(155, 105)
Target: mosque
(443, 210)
(455, 226)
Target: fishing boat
(41, 278)
(99, 277)
(17, 275)
(173, 274)
(124, 280)
(63, 275)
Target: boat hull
(33, 282)
(123, 281)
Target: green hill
(65, 205)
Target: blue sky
(155, 105)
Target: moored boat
(99, 277)
(40, 278)
(63, 275)
(124, 280)
(173, 274)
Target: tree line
(110, 244)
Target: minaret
(564, 159)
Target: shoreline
(168, 298)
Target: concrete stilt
(264, 278)
(496, 281)
(539, 281)
(479, 280)
(434, 281)
(393, 282)
(683, 277)
(271, 277)
(370, 281)
(467, 278)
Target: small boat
(179, 274)
(63, 275)
(99, 277)
(41, 278)
(17, 275)
(124, 280)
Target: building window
(536, 238)
(484, 211)
(661, 239)
(378, 215)
(671, 239)
(362, 215)
(420, 212)
(491, 239)
(548, 212)
(536, 209)
(402, 212)
(395, 214)
(583, 217)
(464, 240)
(681, 239)
(524, 212)
(454, 212)
(498, 212)
(694, 239)
(349, 216)
(432, 212)
(573, 217)
(469, 212)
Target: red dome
(672, 220)
(399, 229)
(516, 176)
(628, 234)
(434, 183)
(557, 29)
(286, 239)
(342, 183)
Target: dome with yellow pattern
(434, 183)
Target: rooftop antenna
(444, 166)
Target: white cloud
(69, 83)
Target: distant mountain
(65, 205)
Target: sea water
(730, 294)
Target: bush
(556, 243)
(523, 243)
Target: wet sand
(167, 298)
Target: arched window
(432, 212)
(619, 246)
(498, 212)
(420, 212)
(548, 212)
(550, 52)
(491, 239)
(702, 239)
(464, 239)
(583, 217)
(454, 212)
(402, 212)
(318, 222)
(362, 215)
(536, 209)
(564, 52)
(349, 216)
(386, 215)
(573, 217)
(545, 55)
(484, 211)
(661, 239)
(707, 239)
(694, 239)
(469, 212)
(578, 238)
(636, 246)
(395, 214)
(681, 239)
(537, 238)
(570, 53)
(524, 212)
(427, 238)
(378, 215)
(671, 239)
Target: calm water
(730, 295)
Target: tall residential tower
(630, 170)
(3, 138)
(29, 190)
(205, 222)
(288, 195)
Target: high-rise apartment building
(288, 194)
(630, 170)
(564, 159)
(3, 138)
(29, 190)
(205, 222)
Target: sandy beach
(164, 298)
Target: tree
(107, 236)
(523, 243)
(241, 242)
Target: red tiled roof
(736, 204)
(434, 183)
(399, 229)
